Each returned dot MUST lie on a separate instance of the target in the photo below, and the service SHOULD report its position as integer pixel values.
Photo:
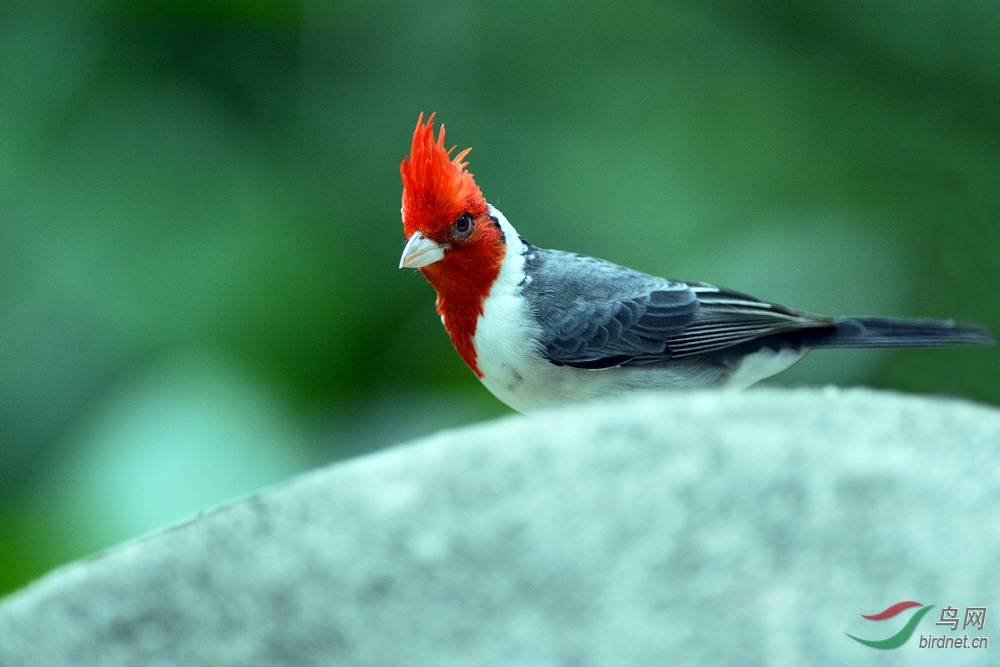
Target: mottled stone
(705, 528)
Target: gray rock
(706, 528)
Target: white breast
(506, 337)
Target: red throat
(437, 190)
(463, 281)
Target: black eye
(462, 227)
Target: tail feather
(878, 332)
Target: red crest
(436, 187)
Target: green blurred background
(199, 221)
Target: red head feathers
(436, 187)
(460, 247)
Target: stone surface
(708, 528)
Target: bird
(542, 328)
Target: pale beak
(421, 251)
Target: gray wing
(595, 314)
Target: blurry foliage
(199, 225)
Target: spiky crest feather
(436, 187)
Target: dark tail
(875, 332)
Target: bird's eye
(462, 227)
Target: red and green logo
(905, 632)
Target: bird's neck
(462, 285)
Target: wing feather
(595, 314)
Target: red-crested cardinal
(546, 327)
